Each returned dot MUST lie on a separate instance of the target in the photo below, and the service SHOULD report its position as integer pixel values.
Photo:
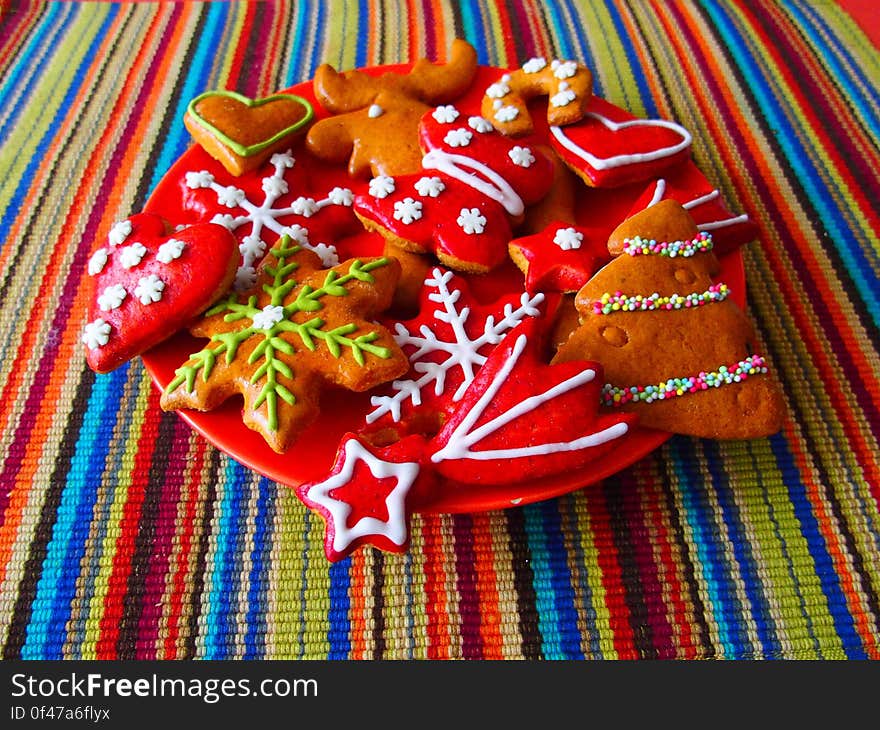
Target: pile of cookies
(518, 273)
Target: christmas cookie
(610, 147)
(566, 84)
(474, 183)
(242, 133)
(148, 283)
(561, 258)
(260, 206)
(300, 330)
(676, 350)
(375, 118)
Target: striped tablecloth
(125, 535)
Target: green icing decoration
(248, 150)
(309, 332)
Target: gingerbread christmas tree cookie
(300, 330)
(675, 349)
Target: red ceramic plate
(313, 454)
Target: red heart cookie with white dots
(148, 284)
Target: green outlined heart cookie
(241, 132)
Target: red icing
(193, 281)
(686, 184)
(552, 268)
(639, 137)
(363, 508)
(564, 418)
(438, 229)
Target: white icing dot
(245, 277)
(460, 137)
(375, 111)
(568, 238)
(112, 297)
(230, 196)
(565, 70)
(252, 247)
(563, 98)
(382, 186)
(471, 220)
(298, 234)
(497, 90)
(507, 113)
(521, 156)
(407, 210)
(149, 289)
(445, 114)
(225, 220)
(96, 334)
(480, 125)
(327, 253)
(98, 261)
(200, 179)
(341, 196)
(119, 232)
(274, 186)
(429, 187)
(131, 255)
(283, 159)
(306, 207)
(533, 65)
(170, 250)
(268, 317)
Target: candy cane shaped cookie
(566, 84)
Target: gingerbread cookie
(300, 330)
(376, 118)
(475, 182)
(566, 84)
(242, 133)
(610, 147)
(148, 283)
(676, 350)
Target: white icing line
(463, 438)
(605, 163)
(460, 166)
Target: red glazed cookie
(675, 349)
(375, 118)
(561, 258)
(242, 133)
(149, 283)
(300, 330)
(611, 147)
(566, 84)
(474, 183)
(494, 432)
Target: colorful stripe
(123, 534)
